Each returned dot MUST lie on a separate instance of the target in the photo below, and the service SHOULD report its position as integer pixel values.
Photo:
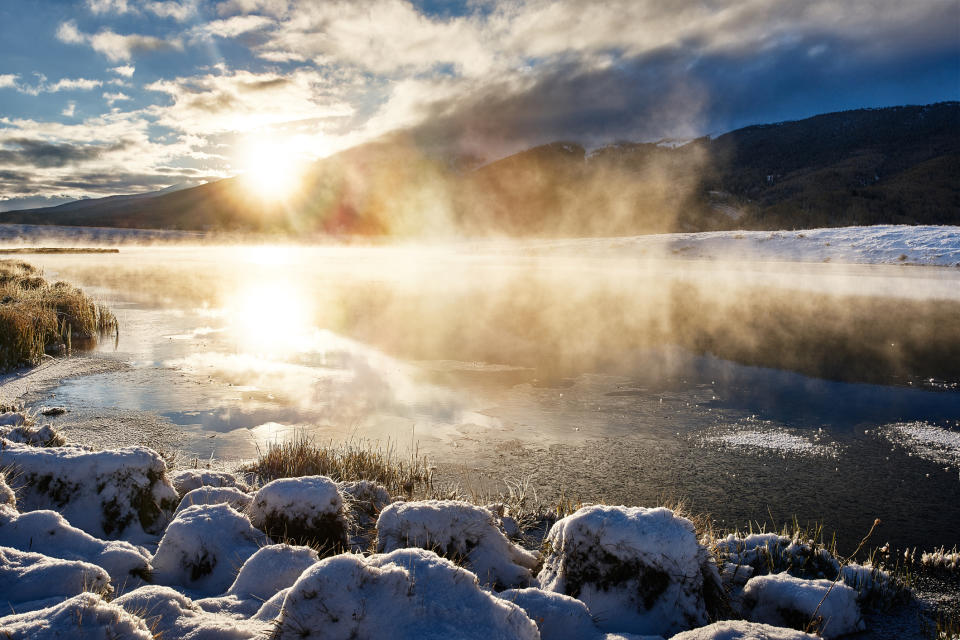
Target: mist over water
(518, 354)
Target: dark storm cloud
(45, 155)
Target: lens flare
(272, 170)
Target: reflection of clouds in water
(333, 379)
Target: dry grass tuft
(344, 462)
(37, 318)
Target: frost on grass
(170, 614)
(305, 510)
(459, 531)
(24, 433)
(941, 559)
(267, 572)
(7, 496)
(49, 533)
(783, 600)
(366, 499)
(203, 548)
(743, 630)
(215, 495)
(27, 576)
(187, 480)
(558, 617)
(413, 593)
(926, 440)
(638, 570)
(83, 617)
(120, 493)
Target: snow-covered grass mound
(558, 617)
(49, 533)
(7, 496)
(780, 599)
(742, 630)
(307, 510)
(109, 494)
(186, 480)
(82, 617)
(459, 531)
(410, 594)
(170, 614)
(215, 495)
(638, 570)
(27, 576)
(15, 427)
(204, 547)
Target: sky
(104, 97)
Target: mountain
(866, 166)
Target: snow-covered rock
(170, 614)
(21, 433)
(781, 599)
(639, 570)
(558, 617)
(7, 496)
(742, 630)
(215, 495)
(410, 594)
(267, 572)
(460, 531)
(26, 576)
(109, 494)
(49, 533)
(204, 547)
(304, 510)
(186, 480)
(82, 617)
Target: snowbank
(108, 494)
(27, 576)
(637, 569)
(15, 430)
(215, 495)
(304, 510)
(781, 599)
(186, 480)
(460, 531)
(558, 617)
(742, 630)
(49, 533)
(82, 617)
(170, 614)
(203, 548)
(410, 594)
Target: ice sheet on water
(928, 441)
(764, 436)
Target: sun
(272, 170)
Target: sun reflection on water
(273, 319)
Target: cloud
(8, 80)
(179, 11)
(108, 6)
(73, 84)
(116, 47)
(115, 97)
(70, 109)
(126, 70)
(235, 26)
(42, 154)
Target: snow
(742, 630)
(173, 615)
(307, 509)
(366, 499)
(7, 496)
(186, 480)
(777, 440)
(458, 530)
(10, 419)
(409, 594)
(204, 547)
(27, 576)
(82, 617)
(766, 552)
(926, 440)
(49, 533)
(781, 599)
(558, 617)
(639, 570)
(941, 559)
(215, 495)
(109, 494)
(27, 434)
